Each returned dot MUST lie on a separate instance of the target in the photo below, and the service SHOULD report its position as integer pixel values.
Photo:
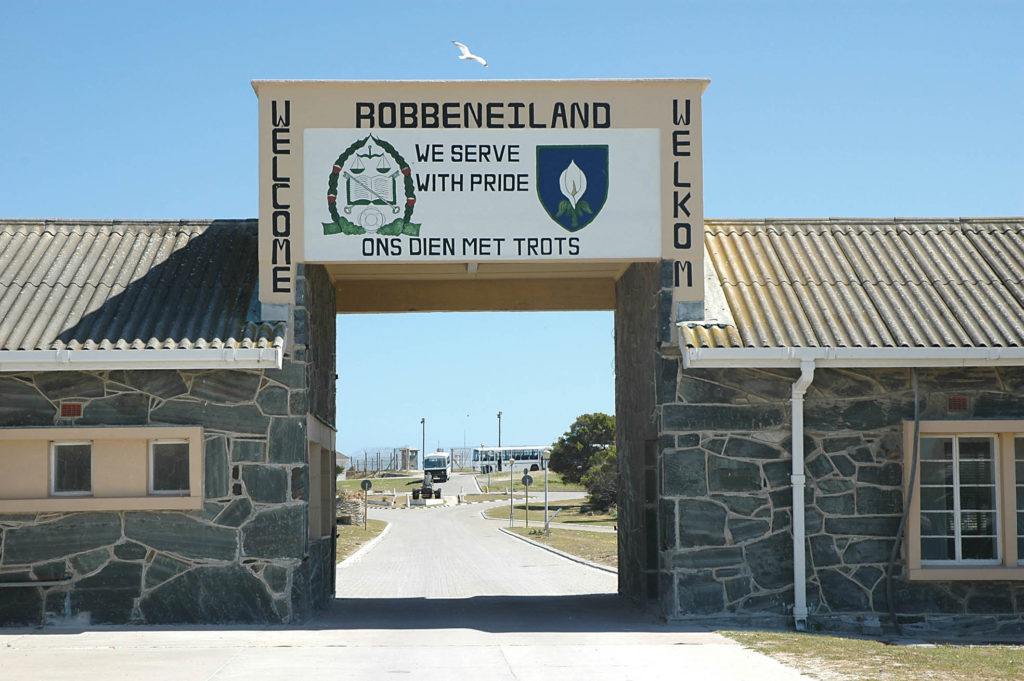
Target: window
(168, 467)
(71, 468)
(958, 499)
(1018, 457)
(967, 512)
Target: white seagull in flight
(466, 54)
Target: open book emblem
(370, 191)
(572, 183)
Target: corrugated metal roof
(130, 285)
(866, 283)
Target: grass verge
(499, 481)
(495, 496)
(572, 511)
(352, 537)
(597, 547)
(380, 484)
(835, 658)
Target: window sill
(975, 574)
(71, 504)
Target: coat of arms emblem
(572, 183)
(370, 191)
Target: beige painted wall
(120, 469)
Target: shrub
(602, 480)
(572, 454)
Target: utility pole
(423, 443)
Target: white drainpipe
(799, 479)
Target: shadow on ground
(495, 614)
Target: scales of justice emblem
(373, 186)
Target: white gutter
(799, 479)
(103, 360)
(850, 357)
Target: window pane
(937, 524)
(936, 448)
(1020, 550)
(170, 467)
(977, 498)
(937, 498)
(1020, 471)
(976, 448)
(936, 472)
(979, 548)
(72, 468)
(937, 549)
(977, 473)
(978, 523)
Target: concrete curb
(364, 549)
(563, 554)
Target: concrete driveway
(444, 595)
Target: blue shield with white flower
(572, 183)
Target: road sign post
(527, 481)
(366, 485)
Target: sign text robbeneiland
(490, 115)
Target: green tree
(572, 454)
(602, 480)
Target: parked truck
(438, 466)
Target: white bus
(438, 465)
(494, 459)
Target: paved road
(481, 606)
(451, 552)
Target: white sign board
(476, 195)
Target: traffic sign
(366, 485)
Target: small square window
(168, 467)
(71, 468)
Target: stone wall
(315, 303)
(349, 509)
(726, 500)
(245, 556)
(315, 319)
(638, 301)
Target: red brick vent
(70, 410)
(957, 403)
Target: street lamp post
(544, 462)
(423, 442)
(511, 494)
(499, 428)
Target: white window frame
(1008, 566)
(957, 511)
(1018, 489)
(53, 468)
(151, 468)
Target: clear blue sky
(815, 109)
